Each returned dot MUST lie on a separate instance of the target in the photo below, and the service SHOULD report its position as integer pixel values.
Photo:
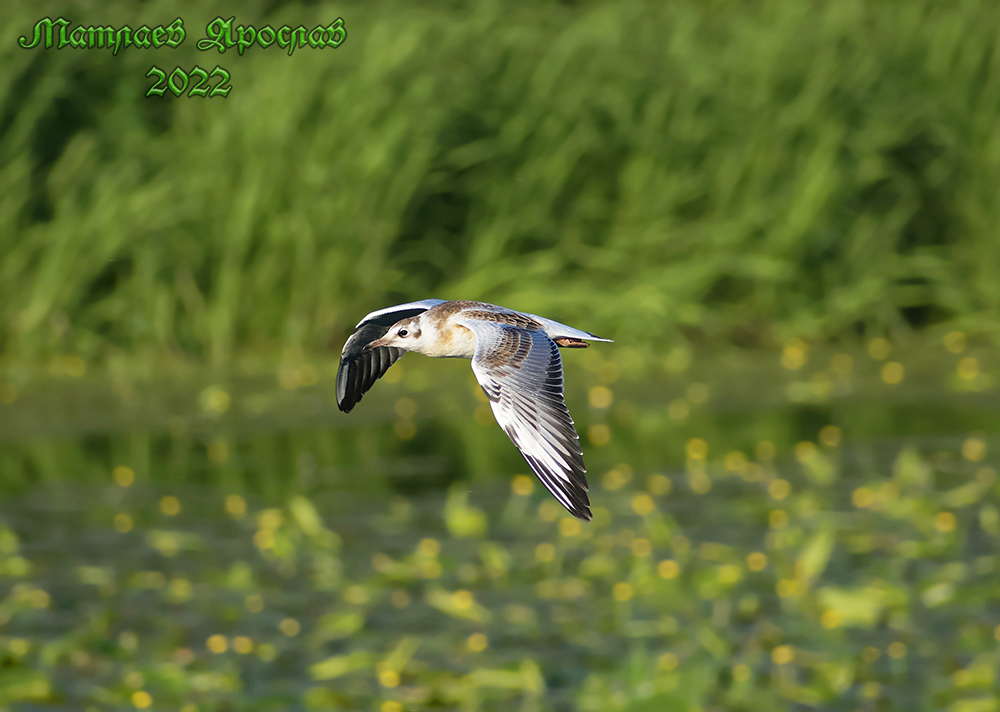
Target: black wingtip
(581, 502)
(361, 365)
(358, 371)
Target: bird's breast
(453, 341)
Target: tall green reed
(715, 172)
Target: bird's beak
(376, 343)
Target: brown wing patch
(442, 312)
(482, 311)
(505, 317)
(513, 348)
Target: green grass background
(727, 171)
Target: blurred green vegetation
(727, 171)
(785, 215)
(837, 577)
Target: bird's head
(405, 334)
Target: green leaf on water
(528, 679)
(401, 654)
(339, 665)
(911, 470)
(860, 607)
(334, 626)
(459, 604)
(463, 521)
(814, 556)
(23, 684)
(989, 520)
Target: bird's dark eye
(402, 332)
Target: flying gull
(515, 358)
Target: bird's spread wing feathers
(358, 373)
(360, 368)
(520, 371)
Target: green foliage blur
(725, 171)
(842, 578)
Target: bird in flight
(515, 358)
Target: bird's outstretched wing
(360, 368)
(520, 371)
